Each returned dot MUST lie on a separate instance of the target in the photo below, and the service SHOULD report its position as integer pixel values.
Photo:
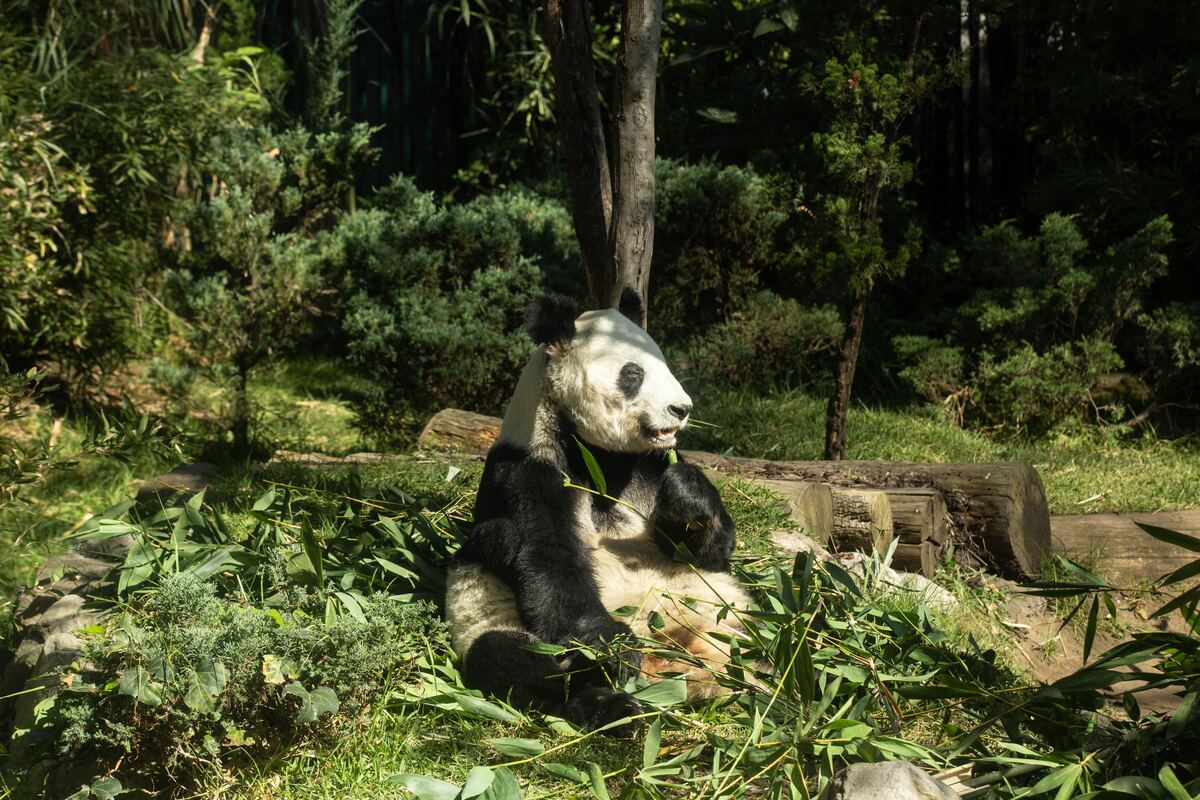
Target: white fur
(582, 379)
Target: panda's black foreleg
(689, 511)
(501, 663)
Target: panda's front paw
(689, 511)
(618, 639)
(598, 706)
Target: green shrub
(714, 240)
(440, 291)
(185, 681)
(248, 283)
(768, 340)
(238, 627)
(1043, 323)
(1028, 391)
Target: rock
(57, 651)
(888, 581)
(888, 780)
(792, 542)
(186, 479)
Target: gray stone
(58, 651)
(887, 581)
(792, 542)
(888, 780)
(186, 479)
(78, 563)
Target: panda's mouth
(660, 437)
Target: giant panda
(550, 562)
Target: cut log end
(862, 520)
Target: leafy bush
(186, 675)
(714, 241)
(248, 281)
(766, 341)
(1042, 325)
(233, 632)
(1032, 391)
(77, 284)
(440, 293)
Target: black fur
(551, 320)
(629, 381)
(500, 663)
(631, 306)
(689, 511)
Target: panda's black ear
(551, 320)
(631, 306)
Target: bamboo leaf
(1089, 635)
(593, 468)
(478, 780)
(650, 748)
(426, 788)
(517, 748)
(1171, 537)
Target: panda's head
(608, 376)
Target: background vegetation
(233, 230)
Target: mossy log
(455, 429)
(998, 511)
(810, 506)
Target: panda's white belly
(632, 571)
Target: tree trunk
(612, 204)
(633, 184)
(241, 412)
(581, 130)
(839, 401)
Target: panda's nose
(680, 411)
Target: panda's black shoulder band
(551, 319)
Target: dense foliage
(189, 191)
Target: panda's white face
(612, 381)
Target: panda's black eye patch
(630, 379)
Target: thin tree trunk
(839, 401)
(241, 412)
(581, 130)
(206, 32)
(633, 184)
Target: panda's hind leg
(500, 663)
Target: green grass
(302, 405)
(1091, 471)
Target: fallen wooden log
(919, 519)
(997, 511)
(1116, 548)
(810, 506)
(862, 520)
(455, 429)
